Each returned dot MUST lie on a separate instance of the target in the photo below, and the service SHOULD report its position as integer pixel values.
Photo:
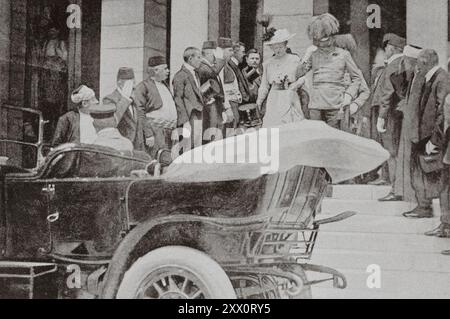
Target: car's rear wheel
(175, 273)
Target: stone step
(381, 242)
(381, 224)
(359, 192)
(367, 207)
(341, 294)
(404, 284)
(395, 261)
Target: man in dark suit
(129, 118)
(443, 231)
(390, 119)
(233, 77)
(253, 73)
(154, 99)
(428, 134)
(188, 97)
(208, 73)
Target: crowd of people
(223, 87)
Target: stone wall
(189, 28)
(155, 37)
(427, 26)
(294, 16)
(5, 20)
(122, 40)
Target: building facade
(115, 33)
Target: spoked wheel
(176, 273)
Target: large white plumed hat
(280, 36)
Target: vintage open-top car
(91, 222)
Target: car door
(26, 208)
(87, 209)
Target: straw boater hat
(280, 36)
(412, 51)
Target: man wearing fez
(188, 97)
(208, 73)
(389, 121)
(428, 137)
(129, 118)
(156, 101)
(106, 126)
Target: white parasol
(306, 143)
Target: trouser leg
(328, 116)
(196, 122)
(332, 119)
(419, 184)
(445, 199)
(315, 115)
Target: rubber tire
(198, 263)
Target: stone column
(360, 32)
(189, 27)
(427, 26)
(155, 37)
(294, 16)
(5, 20)
(213, 19)
(122, 40)
(321, 6)
(235, 19)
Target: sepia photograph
(224, 150)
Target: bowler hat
(224, 43)
(156, 60)
(209, 45)
(125, 74)
(412, 51)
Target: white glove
(381, 125)
(227, 116)
(297, 84)
(430, 148)
(309, 51)
(354, 108)
(127, 89)
(150, 142)
(347, 100)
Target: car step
(19, 280)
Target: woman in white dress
(280, 83)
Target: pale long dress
(283, 106)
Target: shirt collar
(189, 67)
(394, 57)
(234, 60)
(430, 73)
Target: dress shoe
(391, 198)
(446, 253)
(419, 213)
(443, 231)
(379, 182)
